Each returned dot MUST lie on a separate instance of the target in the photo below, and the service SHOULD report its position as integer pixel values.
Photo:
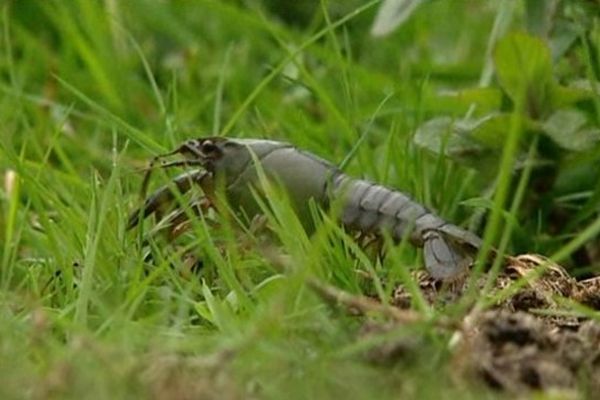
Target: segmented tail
(369, 207)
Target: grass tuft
(91, 91)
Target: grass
(92, 90)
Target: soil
(539, 337)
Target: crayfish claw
(163, 196)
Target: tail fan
(445, 258)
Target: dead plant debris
(531, 338)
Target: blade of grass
(96, 225)
(289, 58)
(501, 194)
(509, 225)
(133, 133)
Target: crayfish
(235, 165)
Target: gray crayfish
(365, 206)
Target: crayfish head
(218, 155)
(206, 150)
(228, 157)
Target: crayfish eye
(209, 148)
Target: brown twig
(365, 305)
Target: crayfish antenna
(151, 167)
(177, 163)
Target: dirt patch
(517, 351)
(531, 338)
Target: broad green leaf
(491, 130)
(464, 137)
(475, 143)
(485, 100)
(577, 91)
(567, 128)
(524, 68)
(444, 136)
